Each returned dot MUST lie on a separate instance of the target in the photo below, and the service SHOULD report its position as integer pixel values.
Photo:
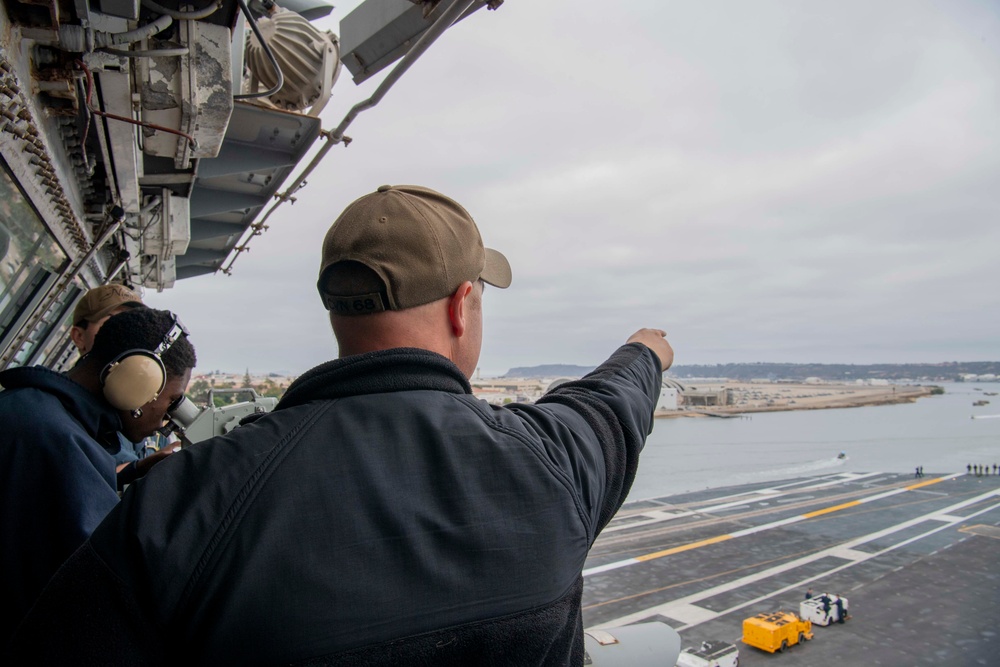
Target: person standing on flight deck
(381, 514)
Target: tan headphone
(136, 377)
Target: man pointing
(381, 514)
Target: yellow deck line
(829, 510)
(684, 547)
(927, 483)
(809, 515)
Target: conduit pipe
(77, 39)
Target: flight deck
(917, 557)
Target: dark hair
(143, 329)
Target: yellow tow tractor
(776, 631)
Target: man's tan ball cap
(417, 244)
(100, 301)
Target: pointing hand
(655, 340)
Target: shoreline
(806, 397)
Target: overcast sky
(767, 181)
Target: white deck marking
(880, 496)
(839, 551)
(803, 582)
(609, 566)
(847, 477)
(655, 516)
(729, 508)
(642, 558)
(689, 613)
(849, 554)
(726, 506)
(769, 526)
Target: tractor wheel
(802, 637)
(784, 645)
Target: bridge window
(30, 259)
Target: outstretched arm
(615, 403)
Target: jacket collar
(98, 418)
(399, 369)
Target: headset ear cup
(134, 379)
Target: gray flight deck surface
(917, 558)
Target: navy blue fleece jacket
(57, 479)
(380, 515)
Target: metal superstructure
(141, 140)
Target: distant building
(706, 398)
(668, 398)
(689, 379)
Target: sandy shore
(776, 397)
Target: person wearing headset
(89, 315)
(59, 437)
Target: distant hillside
(548, 371)
(943, 372)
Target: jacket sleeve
(57, 486)
(88, 617)
(601, 421)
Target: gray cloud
(768, 181)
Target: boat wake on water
(705, 480)
(804, 468)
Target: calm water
(937, 432)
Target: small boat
(842, 455)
